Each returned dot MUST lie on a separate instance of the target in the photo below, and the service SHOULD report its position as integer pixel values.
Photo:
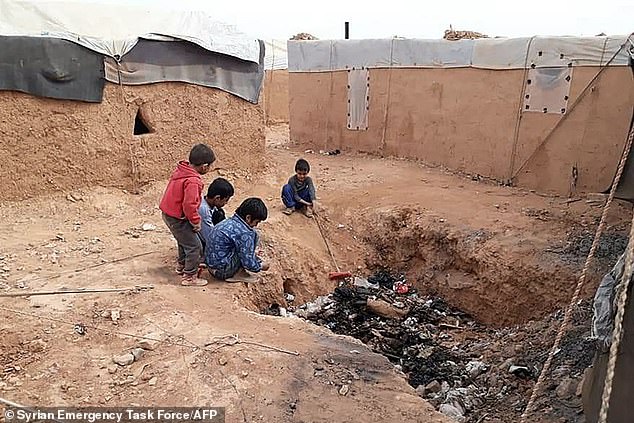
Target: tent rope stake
(575, 298)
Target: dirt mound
(474, 269)
(66, 145)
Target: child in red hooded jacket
(180, 204)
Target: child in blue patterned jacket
(231, 245)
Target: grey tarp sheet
(160, 61)
(602, 324)
(484, 53)
(51, 67)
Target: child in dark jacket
(180, 204)
(231, 246)
(299, 192)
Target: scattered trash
(339, 275)
(115, 315)
(520, 371)
(289, 297)
(401, 287)
(363, 283)
(80, 329)
(344, 390)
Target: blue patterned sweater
(228, 238)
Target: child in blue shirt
(231, 245)
(299, 192)
(210, 210)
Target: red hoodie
(182, 195)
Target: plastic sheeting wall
(496, 53)
(466, 119)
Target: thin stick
(323, 236)
(83, 269)
(22, 407)
(270, 347)
(234, 340)
(74, 291)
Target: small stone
(115, 315)
(566, 388)
(433, 387)
(151, 341)
(444, 386)
(451, 412)
(420, 390)
(385, 309)
(344, 390)
(245, 374)
(152, 381)
(137, 353)
(112, 369)
(222, 361)
(124, 359)
(148, 227)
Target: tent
(114, 95)
(275, 90)
(546, 113)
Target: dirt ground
(503, 255)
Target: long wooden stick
(75, 291)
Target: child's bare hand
(196, 226)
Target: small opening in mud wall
(141, 126)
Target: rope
(575, 298)
(520, 109)
(570, 109)
(618, 327)
(387, 98)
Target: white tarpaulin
(113, 29)
(358, 99)
(485, 53)
(276, 56)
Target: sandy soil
(374, 211)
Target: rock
(566, 388)
(344, 390)
(150, 341)
(476, 368)
(222, 361)
(115, 315)
(420, 390)
(444, 387)
(433, 387)
(124, 359)
(152, 381)
(312, 309)
(137, 353)
(112, 369)
(385, 309)
(507, 364)
(148, 227)
(451, 412)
